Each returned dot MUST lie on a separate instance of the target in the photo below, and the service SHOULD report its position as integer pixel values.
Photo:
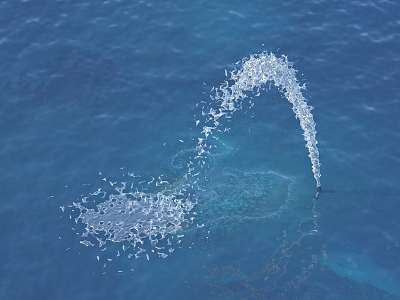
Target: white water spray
(255, 72)
(133, 216)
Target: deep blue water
(97, 90)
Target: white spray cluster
(132, 216)
(255, 72)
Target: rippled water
(93, 91)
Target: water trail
(255, 72)
(145, 212)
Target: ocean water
(95, 93)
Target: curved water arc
(255, 72)
(138, 215)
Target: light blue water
(112, 88)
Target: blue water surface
(93, 90)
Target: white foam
(255, 72)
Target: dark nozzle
(319, 190)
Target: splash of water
(255, 72)
(135, 215)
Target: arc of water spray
(255, 72)
(130, 215)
